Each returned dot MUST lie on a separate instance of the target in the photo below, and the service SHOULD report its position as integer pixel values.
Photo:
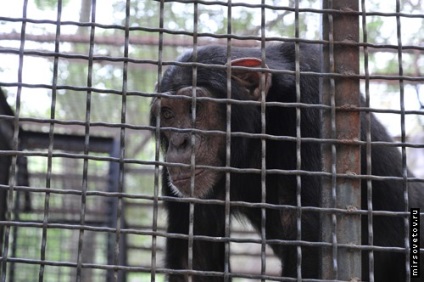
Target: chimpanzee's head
(193, 119)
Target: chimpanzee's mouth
(186, 176)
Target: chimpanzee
(203, 141)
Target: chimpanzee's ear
(251, 80)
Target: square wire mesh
(80, 169)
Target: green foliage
(49, 4)
(373, 28)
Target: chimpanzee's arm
(209, 220)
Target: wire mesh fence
(250, 157)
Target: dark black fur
(281, 189)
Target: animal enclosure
(90, 140)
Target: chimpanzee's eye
(167, 113)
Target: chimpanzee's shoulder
(284, 56)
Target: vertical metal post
(113, 257)
(340, 90)
(6, 135)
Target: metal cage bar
(338, 192)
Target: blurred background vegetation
(178, 20)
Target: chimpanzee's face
(188, 140)
(194, 144)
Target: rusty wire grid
(80, 173)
